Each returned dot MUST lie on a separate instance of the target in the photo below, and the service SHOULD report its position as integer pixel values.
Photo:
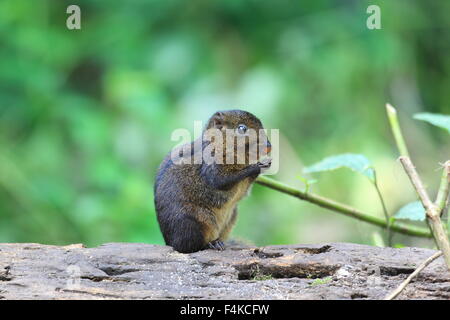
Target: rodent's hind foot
(216, 245)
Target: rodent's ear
(217, 120)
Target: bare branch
(433, 212)
(416, 182)
(395, 126)
(444, 188)
(403, 285)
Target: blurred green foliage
(86, 115)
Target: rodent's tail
(186, 235)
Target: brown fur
(196, 204)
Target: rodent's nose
(268, 147)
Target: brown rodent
(196, 204)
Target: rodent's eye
(242, 128)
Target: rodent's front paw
(265, 163)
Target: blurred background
(86, 115)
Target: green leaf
(411, 211)
(355, 162)
(439, 120)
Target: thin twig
(403, 285)
(416, 182)
(433, 212)
(335, 206)
(444, 189)
(386, 213)
(395, 126)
